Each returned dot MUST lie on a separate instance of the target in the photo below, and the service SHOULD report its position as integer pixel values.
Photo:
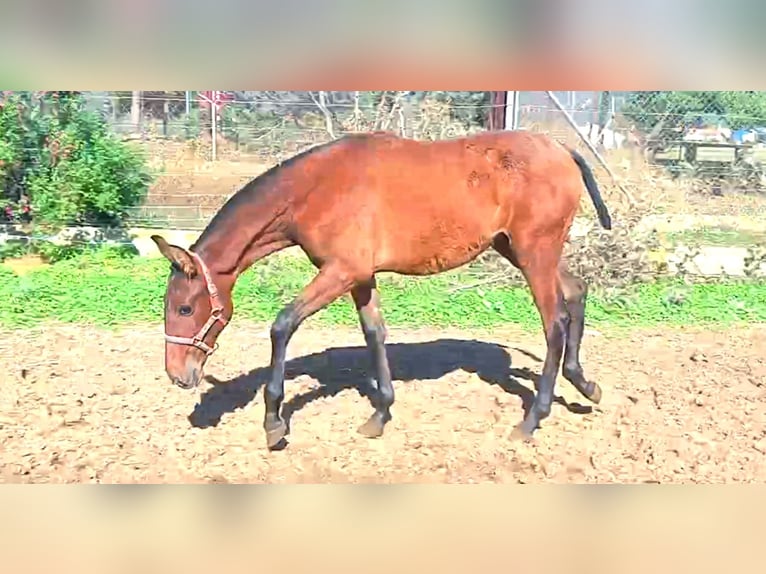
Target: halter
(216, 314)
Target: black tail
(595, 195)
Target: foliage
(614, 259)
(276, 124)
(103, 287)
(154, 104)
(608, 261)
(469, 108)
(737, 109)
(50, 252)
(62, 160)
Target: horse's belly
(431, 253)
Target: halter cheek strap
(216, 314)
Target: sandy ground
(83, 405)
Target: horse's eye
(185, 310)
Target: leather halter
(216, 314)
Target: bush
(606, 260)
(739, 109)
(62, 161)
(51, 252)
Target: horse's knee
(559, 326)
(283, 325)
(581, 289)
(574, 289)
(383, 331)
(375, 332)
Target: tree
(679, 109)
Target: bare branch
(357, 112)
(321, 103)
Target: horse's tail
(595, 195)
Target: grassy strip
(717, 237)
(104, 290)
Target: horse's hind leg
(331, 282)
(540, 268)
(575, 294)
(373, 326)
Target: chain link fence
(255, 130)
(716, 138)
(687, 153)
(688, 165)
(690, 169)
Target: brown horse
(376, 202)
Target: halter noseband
(216, 314)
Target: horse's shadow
(341, 368)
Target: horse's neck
(231, 249)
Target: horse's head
(195, 314)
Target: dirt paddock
(84, 405)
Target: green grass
(722, 236)
(104, 290)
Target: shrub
(63, 161)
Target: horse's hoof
(373, 428)
(275, 436)
(522, 432)
(595, 395)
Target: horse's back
(451, 181)
(437, 166)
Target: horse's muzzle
(189, 382)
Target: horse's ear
(178, 256)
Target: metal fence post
(512, 110)
(213, 125)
